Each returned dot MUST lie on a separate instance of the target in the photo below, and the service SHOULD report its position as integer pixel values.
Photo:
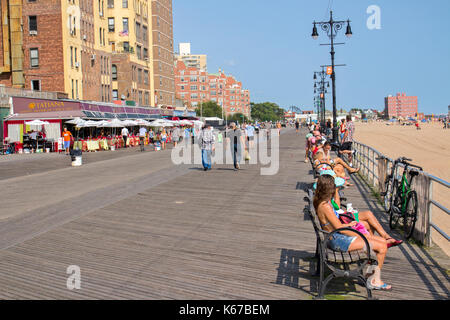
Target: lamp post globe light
(332, 27)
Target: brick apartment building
(91, 50)
(195, 86)
(401, 105)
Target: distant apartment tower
(198, 61)
(194, 86)
(401, 105)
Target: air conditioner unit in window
(101, 14)
(33, 32)
(84, 37)
(77, 64)
(93, 57)
(72, 32)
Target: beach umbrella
(76, 121)
(142, 122)
(130, 123)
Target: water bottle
(349, 208)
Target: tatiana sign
(27, 105)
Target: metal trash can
(76, 156)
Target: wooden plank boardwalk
(201, 235)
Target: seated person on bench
(368, 219)
(346, 241)
(336, 162)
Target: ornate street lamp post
(332, 27)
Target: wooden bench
(341, 264)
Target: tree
(267, 111)
(238, 117)
(209, 109)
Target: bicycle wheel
(394, 208)
(410, 216)
(387, 194)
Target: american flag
(123, 33)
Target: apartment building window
(76, 57)
(182, 87)
(114, 72)
(115, 95)
(145, 76)
(126, 46)
(111, 25)
(193, 79)
(144, 34)
(72, 90)
(146, 96)
(160, 66)
(34, 57)
(32, 24)
(76, 88)
(36, 85)
(160, 81)
(138, 31)
(213, 93)
(139, 72)
(110, 3)
(125, 24)
(124, 3)
(145, 53)
(139, 52)
(194, 88)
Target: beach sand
(429, 148)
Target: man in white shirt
(125, 134)
(250, 132)
(142, 134)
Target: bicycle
(400, 200)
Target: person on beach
(346, 241)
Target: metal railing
(366, 159)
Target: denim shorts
(340, 242)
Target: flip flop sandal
(394, 244)
(383, 287)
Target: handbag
(247, 156)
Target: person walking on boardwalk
(142, 134)
(67, 139)
(125, 134)
(175, 136)
(207, 140)
(236, 140)
(347, 142)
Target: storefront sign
(28, 105)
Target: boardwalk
(141, 228)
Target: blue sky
(268, 46)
